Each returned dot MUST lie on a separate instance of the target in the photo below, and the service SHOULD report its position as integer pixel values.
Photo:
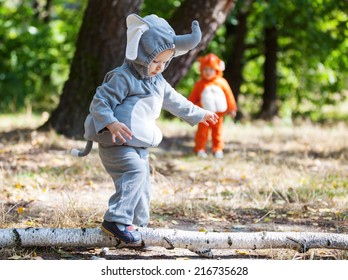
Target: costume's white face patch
(213, 99)
(143, 121)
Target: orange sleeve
(231, 101)
(195, 95)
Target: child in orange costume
(212, 92)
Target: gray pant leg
(129, 169)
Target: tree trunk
(211, 14)
(100, 47)
(234, 64)
(269, 107)
(47, 11)
(199, 242)
(44, 13)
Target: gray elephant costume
(129, 95)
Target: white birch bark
(199, 242)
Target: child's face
(208, 73)
(157, 65)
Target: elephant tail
(84, 152)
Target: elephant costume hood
(151, 35)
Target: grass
(20, 121)
(273, 177)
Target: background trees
(283, 58)
(36, 48)
(311, 73)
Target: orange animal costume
(215, 95)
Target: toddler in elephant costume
(123, 114)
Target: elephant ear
(136, 26)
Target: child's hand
(119, 130)
(233, 114)
(210, 117)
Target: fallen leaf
(239, 252)
(29, 223)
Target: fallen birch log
(199, 242)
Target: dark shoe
(122, 232)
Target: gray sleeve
(179, 106)
(110, 94)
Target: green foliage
(312, 63)
(313, 57)
(163, 9)
(35, 52)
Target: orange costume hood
(217, 92)
(211, 60)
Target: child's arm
(179, 106)
(233, 113)
(109, 95)
(231, 102)
(194, 96)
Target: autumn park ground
(274, 177)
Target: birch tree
(200, 242)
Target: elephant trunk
(188, 41)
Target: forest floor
(274, 177)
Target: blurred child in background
(212, 92)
